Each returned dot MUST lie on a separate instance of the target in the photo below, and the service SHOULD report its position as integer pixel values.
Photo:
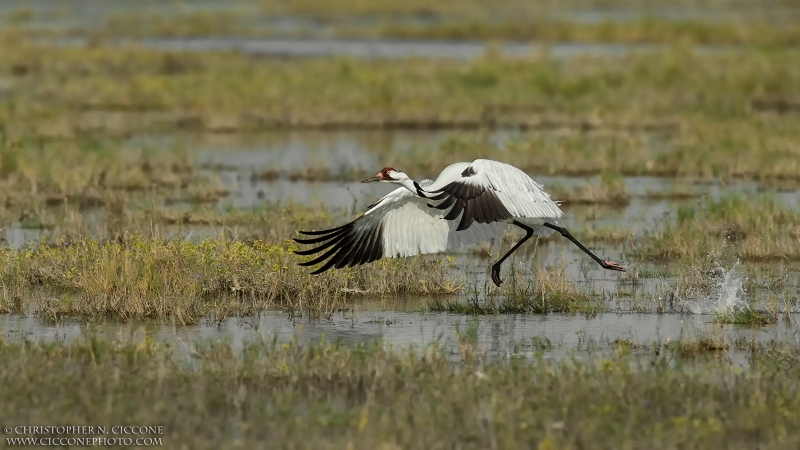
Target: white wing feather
(522, 196)
(411, 227)
(485, 182)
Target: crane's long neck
(412, 186)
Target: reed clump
(692, 346)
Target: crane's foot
(611, 265)
(496, 275)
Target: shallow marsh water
(240, 162)
(556, 336)
(261, 168)
(237, 161)
(384, 48)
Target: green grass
(329, 395)
(64, 161)
(636, 31)
(541, 290)
(674, 112)
(113, 247)
(138, 278)
(712, 343)
(609, 191)
(742, 315)
(90, 172)
(748, 24)
(752, 227)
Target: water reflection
(497, 336)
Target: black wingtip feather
(311, 251)
(345, 246)
(317, 233)
(317, 240)
(477, 203)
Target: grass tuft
(542, 291)
(173, 279)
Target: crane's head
(388, 175)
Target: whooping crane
(482, 196)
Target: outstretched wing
(399, 224)
(488, 191)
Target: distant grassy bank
(673, 112)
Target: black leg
(496, 266)
(610, 265)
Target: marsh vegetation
(333, 395)
(145, 182)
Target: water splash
(727, 295)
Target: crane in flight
(468, 203)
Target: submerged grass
(328, 395)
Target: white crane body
(466, 204)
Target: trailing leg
(610, 265)
(496, 266)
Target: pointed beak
(371, 179)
